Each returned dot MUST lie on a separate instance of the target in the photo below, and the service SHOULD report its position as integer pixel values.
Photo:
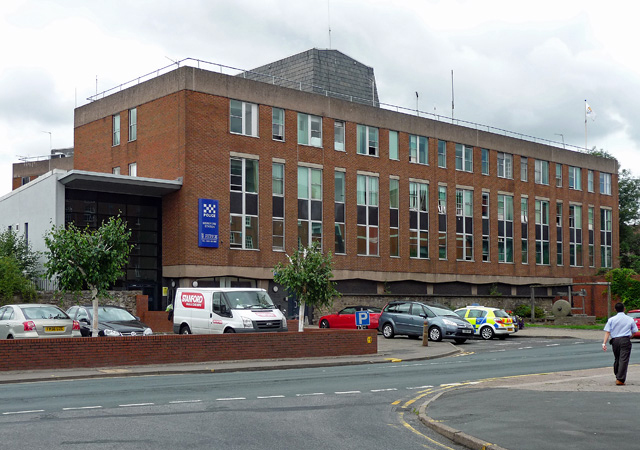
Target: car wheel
(435, 334)
(487, 333)
(324, 324)
(387, 331)
(185, 329)
(229, 330)
(460, 341)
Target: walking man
(620, 328)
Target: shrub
(13, 282)
(525, 311)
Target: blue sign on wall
(207, 223)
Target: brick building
(407, 204)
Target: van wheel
(184, 329)
(229, 330)
(324, 324)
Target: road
(366, 406)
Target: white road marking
(136, 404)
(308, 395)
(230, 399)
(383, 390)
(420, 387)
(81, 407)
(271, 396)
(348, 392)
(553, 345)
(22, 412)
(184, 401)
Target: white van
(225, 310)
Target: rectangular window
(116, 129)
(524, 169)
(367, 140)
(116, 170)
(393, 145)
(418, 149)
(338, 133)
(442, 154)
(524, 223)
(505, 165)
(394, 217)
(243, 203)
(464, 158)
(277, 208)
(575, 235)
(243, 118)
(505, 228)
(367, 196)
(592, 258)
(133, 169)
(464, 225)
(575, 178)
(309, 206)
(339, 207)
(558, 175)
(277, 124)
(542, 232)
(485, 161)
(542, 172)
(133, 124)
(418, 220)
(606, 255)
(485, 227)
(442, 222)
(309, 130)
(559, 253)
(605, 185)
(590, 180)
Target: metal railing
(279, 81)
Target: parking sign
(362, 318)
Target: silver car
(32, 320)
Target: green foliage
(308, 276)
(624, 287)
(88, 258)
(493, 291)
(16, 246)
(524, 311)
(13, 282)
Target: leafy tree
(17, 247)
(13, 281)
(308, 277)
(629, 207)
(91, 258)
(625, 287)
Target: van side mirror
(223, 309)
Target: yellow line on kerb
(413, 430)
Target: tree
(13, 281)
(308, 277)
(17, 247)
(629, 207)
(88, 258)
(625, 287)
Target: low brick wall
(35, 354)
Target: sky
(526, 67)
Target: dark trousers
(621, 351)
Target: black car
(112, 321)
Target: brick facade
(183, 124)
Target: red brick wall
(35, 354)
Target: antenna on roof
(329, 21)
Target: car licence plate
(466, 331)
(53, 329)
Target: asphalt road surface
(355, 407)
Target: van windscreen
(249, 300)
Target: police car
(488, 322)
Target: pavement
(434, 411)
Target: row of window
(133, 126)
(244, 218)
(244, 120)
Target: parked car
(346, 318)
(635, 315)
(112, 321)
(34, 320)
(407, 318)
(488, 322)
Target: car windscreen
(106, 314)
(43, 312)
(634, 315)
(249, 300)
(443, 312)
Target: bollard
(425, 334)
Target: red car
(346, 318)
(635, 315)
